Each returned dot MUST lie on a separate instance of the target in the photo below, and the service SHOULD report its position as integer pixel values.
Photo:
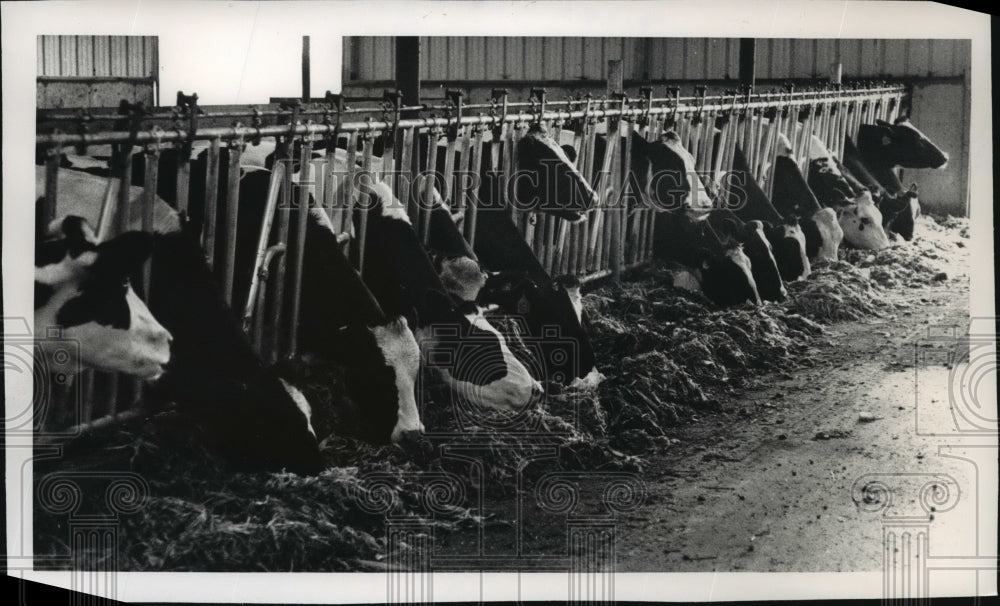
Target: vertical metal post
(232, 218)
(298, 253)
(211, 201)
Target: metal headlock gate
(611, 240)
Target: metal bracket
(647, 96)
(498, 96)
(455, 97)
(82, 120)
(189, 106)
(539, 94)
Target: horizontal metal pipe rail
(717, 104)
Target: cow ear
(913, 187)
(570, 152)
(883, 123)
(124, 254)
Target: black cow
(215, 377)
(749, 203)
(792, 197)
(895, 207)
(883, 147)
(721, 267)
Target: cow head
(722, 268)
(462, 277)
(546, 180)
(906, 219)
(727, 276)
(900, 144)
(791, 194)
(757, 249)
(554, 308)
(825, 178)
(673, 183)
(83, 287)
(822, 244)
(861, 222)
(788, 244)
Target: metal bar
(366, 165)
(462, 169)
(449, 171)
(584, 257)
(211, 201)
(263, 270)
(475, 168)
(183, 178)
(403, 191)
(428, 172)
(284, 218)
(346, 212)
(597, 234)
(261, 258)
(299, 253)
(232, 218)
(148, 202)
(124, 215)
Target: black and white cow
(722, 269)
(895, 207)
(551, 308)
(857, 214)
(749, 203)
(213, 376)
(467, 352)
(793, 198)
(682, 232)
(82, 288)
(884, 147)
(339, 318)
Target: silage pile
(668, 354)
(202, 515)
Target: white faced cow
(857, 214)
(82, 287)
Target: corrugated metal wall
(96, 71)
(372, 58)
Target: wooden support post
(408, 72)
(305, 69)
(748, 61)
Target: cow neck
(757, 206)
(869, 144)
